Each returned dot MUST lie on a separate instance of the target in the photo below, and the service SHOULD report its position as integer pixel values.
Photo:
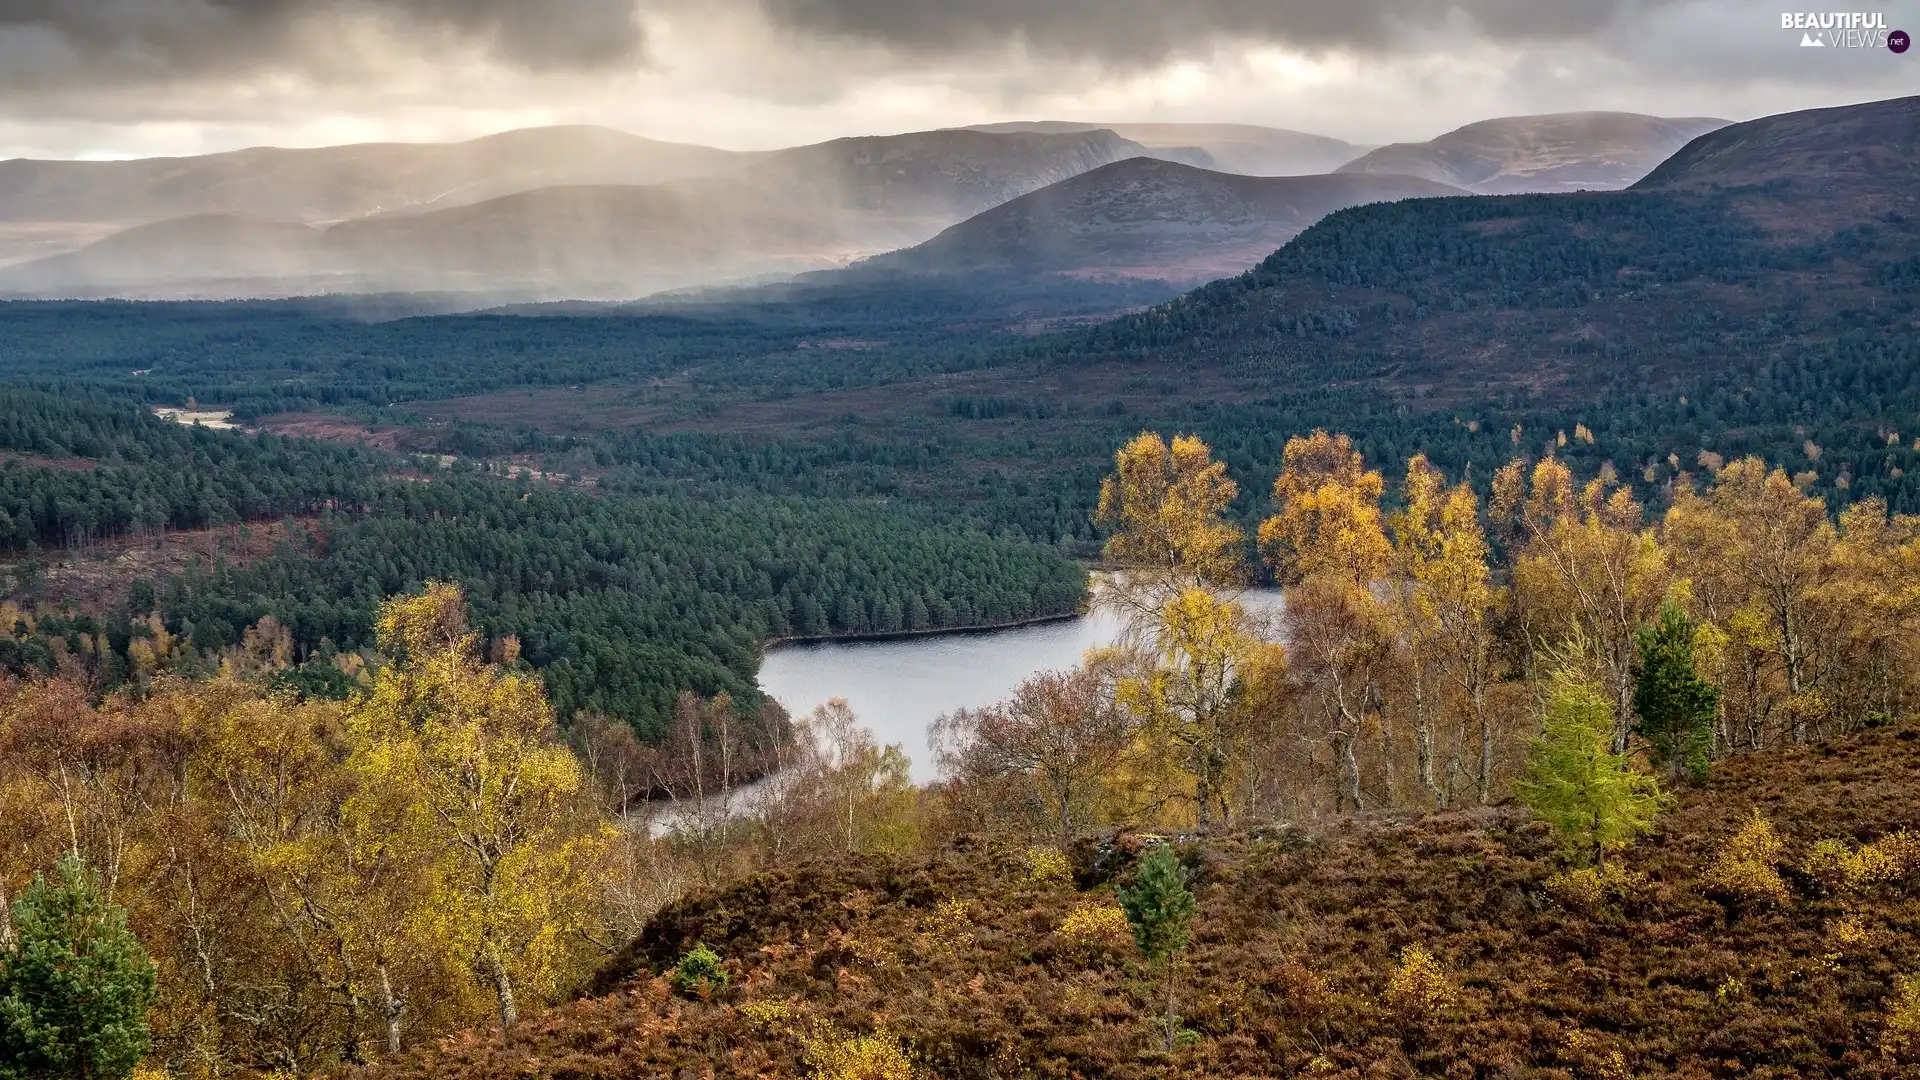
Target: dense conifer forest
(622, 601)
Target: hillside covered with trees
(622, 602)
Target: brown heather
(1301, 934)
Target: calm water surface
(897, 688)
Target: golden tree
(458, 764)
(1760, 555)
(1327, 543)
(1166, 505)
(1329, 514)
(1588, 570)
(1196, 692)
(1445, 598)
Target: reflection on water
(897, 688)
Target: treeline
(623, 603)
(1441, 651)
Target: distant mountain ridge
(1147, 218)
(807, 208)
(1790, 238)
(1235, 148)
(1595, 151)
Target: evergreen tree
(74, 984)
(1160, 909)
(1676, 707)
(1591, 796)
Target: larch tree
(1592, 797)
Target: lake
(898, 687)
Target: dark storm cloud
(1148, 31)
(46, 41)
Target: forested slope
(623, 601)
(1731, 254)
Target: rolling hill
(806, 208)
(1596, 151)
(1763, 244)
(52, 200)
(1147, 218)
(1235, 148)
(1859, 159)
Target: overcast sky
(121, 78)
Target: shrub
(1587, 888)
(1745, 869)
(1843, 871)
(1902, 1037)
(1592, 797)
(1091, 931)
(767, 1013)
(1848, 934)
(1048, 866)
(699, 973)
(949, 925)
(1419, 988)
(835, 1056)
(1827, 862)
(1729, 991)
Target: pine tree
(75, 984)
(1591, 796)
(1675, 706)
(1160, 909)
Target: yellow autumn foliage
(1419, 988)
(1094, 930)
(1746, 867)
(834, 1055)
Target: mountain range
(591, 213)
(1734, 252)
(1234, 148)
(1595, 151)
(1148, 218)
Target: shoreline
(904, 635)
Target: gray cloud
(1145, 32)
(49, 42)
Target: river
(897, 687)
